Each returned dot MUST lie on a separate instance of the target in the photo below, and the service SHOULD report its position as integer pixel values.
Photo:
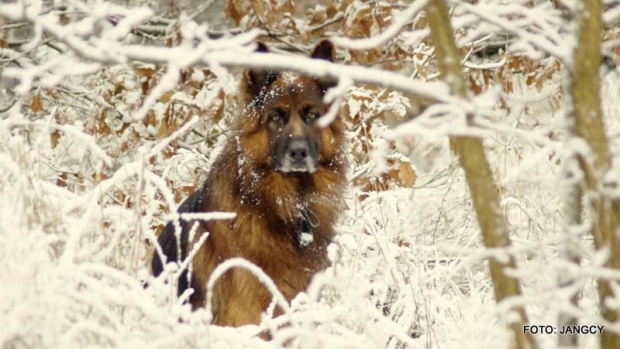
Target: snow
(305, 239)
(402, 20)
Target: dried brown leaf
(163, 130)
(145, 72)
(530, 80)
(61, 180)
(36, 105)
(165, 98)
(150, 119)
(102, 126)
(406, 174)
(539, 83)
(54, 137)
(234, 10)
(508, 86)
(421, 70)
(218, 113)
(474, 85)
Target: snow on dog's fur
(284, 176)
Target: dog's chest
(278, 253)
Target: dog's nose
(298, 150)
(297, 155)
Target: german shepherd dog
(284, 176)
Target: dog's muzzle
(298, 157)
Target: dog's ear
(324, 50)
(261, 47)
(255, 79)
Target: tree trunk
(477, 171)
(588, 124)
(569, 250)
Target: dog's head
(284, 108)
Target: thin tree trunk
(588, 124)
(568, 249)
(477, 171)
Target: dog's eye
(275, 117)
(312, 115)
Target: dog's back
(284, 177)
(168, 239)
